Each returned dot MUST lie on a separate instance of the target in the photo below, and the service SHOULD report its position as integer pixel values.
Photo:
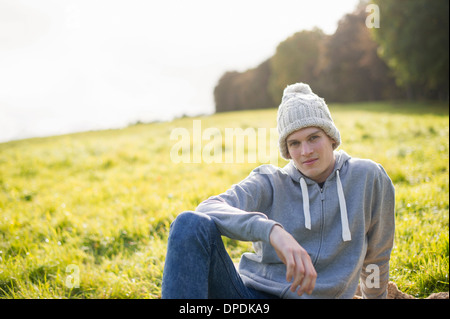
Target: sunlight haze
(68, 66)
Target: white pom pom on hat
(301, 108)
(298, 88)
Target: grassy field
(87, 215)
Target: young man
(319, 225)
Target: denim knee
(190, 224)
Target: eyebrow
(313, 133)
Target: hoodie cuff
(265, 228)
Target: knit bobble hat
(301, 108)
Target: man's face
(312, 152)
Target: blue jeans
(197, 265)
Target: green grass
(103, 201)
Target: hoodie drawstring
(305, 195)
(346, 235)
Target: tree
(297, 59)
(352, 69)
(414, 41)
(246, 90)
(224, 95)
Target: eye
(293, 143)
(314, 137)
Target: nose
(306, 149)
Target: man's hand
(299, 267)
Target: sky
(77, 65)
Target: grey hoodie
(345, 227)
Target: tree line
(406, 57)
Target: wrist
(274, 233)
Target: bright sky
(74, 65)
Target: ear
(333, 143)
(288, 154)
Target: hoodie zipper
(322, 197)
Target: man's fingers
(299, 273)
(305, 274)
(308, 283)
(290, 269)
(310, 277)
(299, 267)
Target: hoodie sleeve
(238, 213)
(375, 272)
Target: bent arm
(239, 212)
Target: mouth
(310, 161)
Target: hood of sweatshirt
(304, 182)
